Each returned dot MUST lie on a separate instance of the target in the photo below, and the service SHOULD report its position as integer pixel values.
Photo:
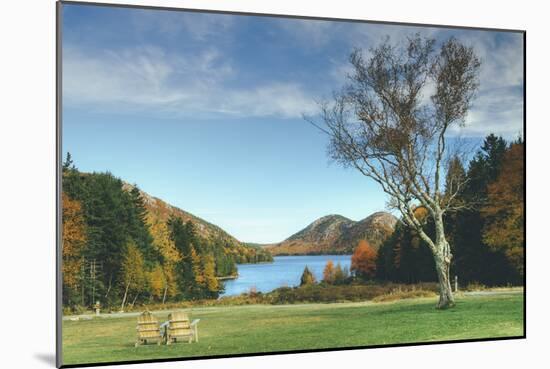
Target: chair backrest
(148, 325)
(179, 324)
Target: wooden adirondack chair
(148, 329)
(179, 328)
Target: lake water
(284, 271)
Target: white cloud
(498, 107)
(150, 78)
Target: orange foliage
(505, 211)
(363, 261)
(328, 272)
(420, 213)
(74, 238)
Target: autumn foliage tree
(505, 209)
(133, 271)
(209, 270)
(363, 260)
(74, 239)
(157, 282)
(328, 272)
(307, 277)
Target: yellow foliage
(210, 273)
(157, 281)
(196, 265)
(161, 239)
(133, 269)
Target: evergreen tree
(404, 258)
(307, 277)
(139, 228)
(472, 254)
(68, 163)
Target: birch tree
(391, 121)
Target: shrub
(400, 295)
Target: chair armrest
(195, 322)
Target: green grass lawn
(264, 328)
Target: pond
(284, 271)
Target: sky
(205, 111)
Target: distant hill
(161, 211)
(336, 234)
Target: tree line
(486, 237)
(115, 252)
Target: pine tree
(307, 277)
(139, 227)
(472, 254)
(68, 163)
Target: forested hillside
(122, 246)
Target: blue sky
(205, 110)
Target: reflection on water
(284, 271)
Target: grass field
(264, 328)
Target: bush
(475, 286)
(401, 295)
(326, 293)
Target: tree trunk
(164, 296)
(109, 289)
(135, 298)
(442, 257)
(442, 266)
(125, 296)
